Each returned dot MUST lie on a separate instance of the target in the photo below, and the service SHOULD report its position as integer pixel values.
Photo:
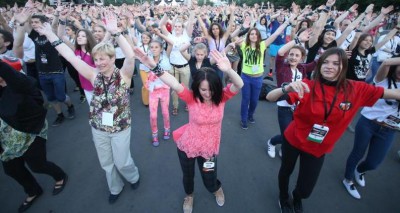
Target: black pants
(33, 72)
(210, 180)
(35, 157)
(119, 62)
(310, 167)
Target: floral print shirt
(116, 102)
(14, 142)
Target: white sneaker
(188, 204)
(220, 197)
(359, 178)
(351, 188)
(270, 149)
(280, 153)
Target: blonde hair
(199, 46)
(103, 47)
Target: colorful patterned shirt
(116, 102)
(14, 142)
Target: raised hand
(23, 16)
(369, 8)
(386, 10)
(330, 3)
(44, 29)
(221, 60)
(144, 58)
(111, 24)
(353, 8)
(305, 35)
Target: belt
(30, 61)
(383, 124)
(179, 66)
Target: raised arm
(225, 66)
(84, 69)
(320, 24)
(303, 37)
(377, 20)
(278, 31)
(231, 20)
(184, 51)
(167, 78)
(384, 68)
(387, 37)
(129, 62)
(339, 19)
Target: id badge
(318, 133)
(43, 58)
(107, 119)
(254, 68)
(392, 120)
(209, 165)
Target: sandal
(175, 111)
(60, 186)
(27, 204)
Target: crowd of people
(327, 65)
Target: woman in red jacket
(324, 108)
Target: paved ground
(248, 175)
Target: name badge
(254, 68)
(393, 121)
(107, 119)
(209, 165)
(318, 133)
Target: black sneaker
(113, 198)
(134, 186)
(71, 112)
(59, 120)
(297, 206)
(285, 207)
(251, 120)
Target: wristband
(297, 41)
(116, 34)
(22, 24)
(61, 22)
(125, 32)
(325, 10)
(56, 43)
(158, 70)
(327, 7)
(284, 91)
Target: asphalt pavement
(248, 175)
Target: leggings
(161, 94)
(310, 167)
(210, 180)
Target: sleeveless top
(116, 102)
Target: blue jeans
(378, 138)
(250, 93)
(374, 69)
(285, 116)
(53, 86)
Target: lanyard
(217, 45)
(326, 112)
(106, 87)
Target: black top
(359, 64)
(21, 103)
(317, 50)
(46, 56)
(192, 64)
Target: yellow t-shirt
(252, 60)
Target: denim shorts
(53, 86)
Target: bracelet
(125, 32)
(56, 43)
(22, 24)
(61, 22)
(325, 10)
(116, 34)
(158, 70)
(297, 41)
(284, 91)
(358, 31)
(327, 7)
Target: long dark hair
(342, 84)
(248, 42)
(221, 31)
(91, 42)
(362, 38)
(214, 83)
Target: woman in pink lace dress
(200, 138)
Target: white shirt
(381, 110)
(176, 56)
(296, 76)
